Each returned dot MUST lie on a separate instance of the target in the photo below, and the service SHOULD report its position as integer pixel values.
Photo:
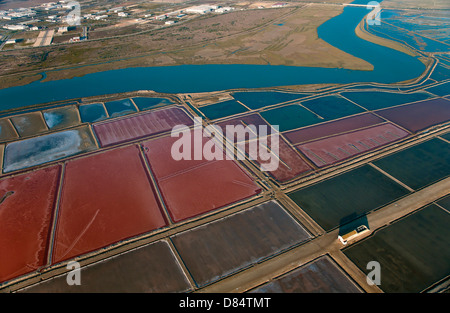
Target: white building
(122, 14)
(116, 10)
(169, 22)
(201, 9)
(223, 10)
(15, 27)
(53, 7)
(345, 238)
(279, 5)
(48, 4)
(100, 17)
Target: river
(389, 66)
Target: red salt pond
(194, 187)
(138, 126)
(332, 128)
(419, 116)
(26, 213)
(253, 119)
(337, 148)
(106, 198)
(290, 163)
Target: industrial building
(202, 9)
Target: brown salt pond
(322, 275)
(152, 268)
(225, 246)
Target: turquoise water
(222, 109)
(380, 100)
(290, 117)
(120, 107)
(145, 103)
(61, 117)
(440, 90)
(332, 107)
(260, 99)
(426, 26)
(389, 66)
(92, 112)
(416, 41)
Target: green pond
(348, 196)
(413, 253)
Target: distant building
(116, 10)
(100, 17)
(223, 10)
(279, 5)
(169, 22)
(67, 6)
(53, 7)
(201, 9)
(15, 27)
(48, 4)
(122, 14)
